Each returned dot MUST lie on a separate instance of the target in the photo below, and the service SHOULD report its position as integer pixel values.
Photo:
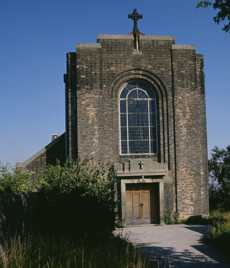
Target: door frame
(137, 194)
(124, 182)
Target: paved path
(182, 244)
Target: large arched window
(138, 118)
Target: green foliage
(36, 251)
(95, 180)
(12, 180)
(219, 173)
(168, 218)
(62, 218)
(88, 179)
(74, 200)
(223, 11)
(204, 3)
(219, 233)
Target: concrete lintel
(183, 47)
(128, 181)
(159, 173)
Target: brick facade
(95, 75)
(176, 72)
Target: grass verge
(37, 251)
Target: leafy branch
(223, 11)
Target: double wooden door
(142, 204)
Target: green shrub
(95, 180)
(14, 180)
(75, 199)
(168, 219)
(219, 233)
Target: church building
(138, 101)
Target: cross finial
(135, 16)
(140, 164)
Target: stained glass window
(138, 118)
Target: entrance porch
(142, 201)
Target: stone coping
(31, 159)
(130, 36)
(88, 45)
(183, 47)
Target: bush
(219, 233)
(219, 175)
(16, 181)
(63, 218)
(75, 199)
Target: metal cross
(140, 164)
(135, 16)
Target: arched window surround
(140, 134)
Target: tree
(223, 11)
(219, 174)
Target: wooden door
(138, 209)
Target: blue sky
(36, 35)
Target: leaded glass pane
(152, 105)
(138, 118)
(132, 119)
(123, 120)
(153, 146)
(142, 95)
(122, 106)
(124, 92)
(152, 119)
(138, 147)
(153, 132)
(138, 133)
(124, 147)
(123, 133)
(133, 94)
(137, 106)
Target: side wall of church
(190, 131)
(53, 153)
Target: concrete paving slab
(182, 244)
